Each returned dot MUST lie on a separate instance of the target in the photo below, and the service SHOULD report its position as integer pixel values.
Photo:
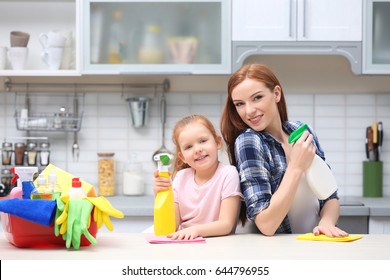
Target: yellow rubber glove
(60, 223)
(103, 210)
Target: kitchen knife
(370, 143)
(380, 135)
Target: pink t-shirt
(201, 204)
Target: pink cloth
(201, 204)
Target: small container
(32, 154)
(106, 174)
(7, 153)
(44, 153)
(133, 181)
(6, 179)
(20, 149)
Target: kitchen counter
(133, 246)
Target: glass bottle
(7, 153)
(117, 48)
(151, 50)
(20, 149)
(32, 154)
(133, 181)
(44, 153)
(106, 174)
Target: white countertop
(133, 246)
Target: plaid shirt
(261, 163)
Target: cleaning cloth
(323, 237)
(37, 211)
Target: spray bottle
(25, 185)
(319, 176)
(164, 206)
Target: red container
(25, 234)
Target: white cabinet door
(263, 20)
(297, 20)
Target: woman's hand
(329, 230)
(301, 153)
(160, 183)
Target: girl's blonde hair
(179, 126)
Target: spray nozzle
(296, 134)
(163, 160)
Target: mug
(19, 38)
(3, 57)
(17, 57)
(52, 57)
(52, 39)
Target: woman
(256, 128)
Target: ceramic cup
(17, 56)
(52, 39)
(19, 38)
(53, 57)
(3, 57)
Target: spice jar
(6, 178)
(7, 153)
(44, 153)
(106, 174)
(20, 149)
(32, 154)
(133, 181)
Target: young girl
(206, 191)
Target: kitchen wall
(320, 90)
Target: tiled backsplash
(338, 119)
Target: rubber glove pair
(73, 218)
(104, 209)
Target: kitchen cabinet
(297, 20)
(154, 37)
(35, 18)
(376, 40)
(311, 27)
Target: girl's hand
(185, 234)
(160, 183)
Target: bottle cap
(296, 134)
(76, 183)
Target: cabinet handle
(304, 18)
(291, 17)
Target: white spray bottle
(319, 176)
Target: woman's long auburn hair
(231, 124)
(179, 126)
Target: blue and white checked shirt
(261, 163)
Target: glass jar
(7, 153)
(151, 50)
(6, 178)
(133, 181)
(20, 149)
(32, 154)
(106, 174)
(44, 153)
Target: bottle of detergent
(76, 192)
(25, 185)
(319, 176)
(164, 206)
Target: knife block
(372, 178)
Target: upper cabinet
(297, 27)
(39, 55)
(297, 20)
(159, 36)
(376, 39)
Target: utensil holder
(372, 178)
(139, 110)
